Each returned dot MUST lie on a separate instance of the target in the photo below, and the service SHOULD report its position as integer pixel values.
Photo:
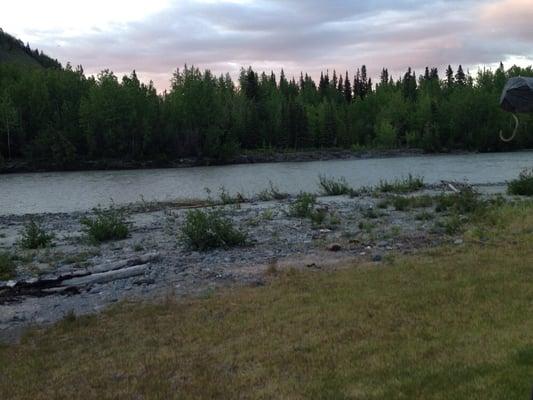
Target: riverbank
(250, 157)
(373, 226)
(446, 322)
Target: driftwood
(108, 276)
(73, 281)
(456, 187)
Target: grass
(303, 206)
(465, 202)
(34, 236)
(403, 203)
(106, 225)
(205, 230)
(7, 266)
(523, 185)
(272, 193)
(450, 323)
(333, 187)
(404, 185)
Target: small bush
(333, 187)
(424, 216)
(523, 186)
(451, 225)
(272, 193)
(7, 266)
(402, 203)
(405, 185)
(226, 198)
(466, 202)
(107, 224)
(318, 217)
(303, 206)
(35, 237)
(204, 230)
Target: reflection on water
(73, 191)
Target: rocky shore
(18, 166)
(74, 276)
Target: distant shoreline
(23, 166)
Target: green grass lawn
(451, 323)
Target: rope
(511, 138)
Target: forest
(60, 116)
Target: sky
(157, 36)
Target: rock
(144, 281)
(458, 242)
(377, 258)
(334, 247)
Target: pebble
(334, 247)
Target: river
(77, 191)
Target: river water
(78, 191)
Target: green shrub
(334, 187)
(204, 230)
(451, 225)
(465, 202)
(402, 203)
(405, 185)
(522, 186)
(272, 193)
(226, 198)
(7, 266)
(318, 217)
(303, 206)
(34, 236)
(107, 224)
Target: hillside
(14, 50)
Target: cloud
(310, 35)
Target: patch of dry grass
(453, 323)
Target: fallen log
(107, 276)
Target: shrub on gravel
(7, 266)
(107, 224)
(523, 185)
(405, 185)
(333, 187)
(205, 230)
(34, 236)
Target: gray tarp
(517, 96)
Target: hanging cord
(510, 139)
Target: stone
(334, 247)
(458, 242)
(377, 258)
(144, 281)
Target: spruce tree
(347, 89)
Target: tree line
(62, 116)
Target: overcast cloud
(307, 36)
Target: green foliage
(523, 185)
(272, 193)
(303, 206)
(450, 225)
(404, 185)
(334, 187)
(34, 236)
(205, 230)
(467, 201)
(106, 225)
(60, 118)
(227, 198)
(7, 266)
(403, 203)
